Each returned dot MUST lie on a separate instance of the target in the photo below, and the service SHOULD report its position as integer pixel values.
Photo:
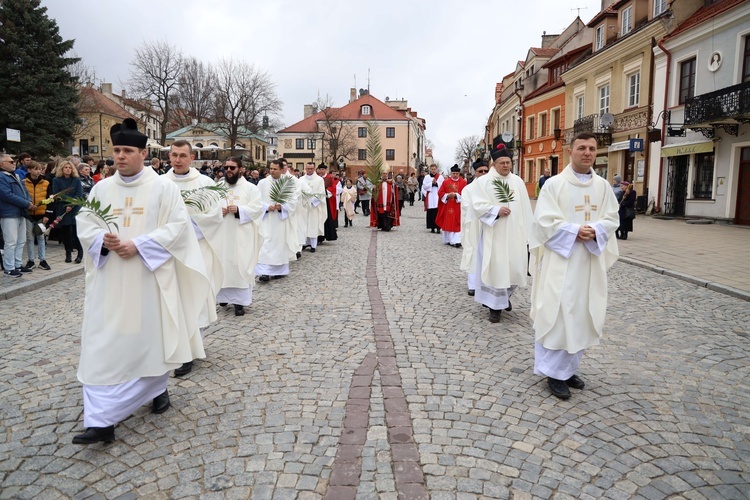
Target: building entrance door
(677, 174)
(553, 165)
(742, 215)
(629, 173)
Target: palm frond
(51, 199)
(308, 195)
(374, 169)
(503, 191)
(282, 189)
(204, 197)
(95, 207)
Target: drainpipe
(101, 139)
(520, 132)
(663, 121)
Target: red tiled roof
(608, 12)
(544, 52)
(93, 101)
(704, 14)
(309, 124)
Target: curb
(711, 285)
(54, 277)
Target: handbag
(629, 213)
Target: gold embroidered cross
(587, 207)
(231, 198)
(128, 211)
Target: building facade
(210, 142)
(97, 113)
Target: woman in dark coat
(627, 211)
(67, 177)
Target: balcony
(592, 124)
(724, 108)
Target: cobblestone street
(387, 381)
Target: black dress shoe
(510, 307)
(458, 245)
(161, 403)
(184, 369)
(558, 387)
(312, 250)
(471, 293)
(95, 435)
(495, 315)
(68, 259)
(575, 382)
(299, 255)
(239, 310)
(438, 231)
(223, 304)
(79, 258)
(432, 230)
(264, 277)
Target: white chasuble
(312, 205)
(504, 256)
(139, 322)
(241, 236)
(208, 221)
(280, 237)
(569, 293)
(470, 226)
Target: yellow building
(98, 113)
(210, 142)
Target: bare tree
(155, 76)
(83, 76)
(467, 147)
(243, 96)
(339, 138)
(194, 98)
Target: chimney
(308, 111)
(107, 88)
(123, 94)
(352, 94)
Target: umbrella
(153, 144)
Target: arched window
(198, 145)
(366, 109)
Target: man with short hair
(39, 189)
(156, 165)
(430, 187)
(254, 176)
(280, 238)
(241, 237)
(385, 212)
(470, 227)
(14, 204)
(24, 159)
(364, 190)
(449, 207)
(502, 258)
(312, 207)
(332, 219)
(571, 251)
(132, 339)
(206, 220)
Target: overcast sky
(444, 57)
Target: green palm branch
(94, 206)
(203, 197)
(282, 189)
(308, 196)
(503, 191)
(374, 169)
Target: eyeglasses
(482, 171)
(231, 168)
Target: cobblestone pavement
(276, 409)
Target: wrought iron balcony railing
(727, 103)
(592, 124)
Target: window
(390, 132)
(299, 144)
(580, 106)
(300, 166)
(361, 154)
(530, 127)
(528, 175)
(362, 132)
(599, 38)
(704, 176)
(627, 21)
(311, 144)
(687, 80)
(746, 61)
(542, 124)
(634, 89)
(555, 119)
(659, 7)
(390, 154)
(366, 110)
(603, 99)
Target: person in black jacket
(627, 211)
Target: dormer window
(366, 110)
(627, 21)
(599, 43)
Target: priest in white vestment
(206, 220)
(280, 236)
(430, 187)
(470, 227)
(312, 207)
(502, 257)
(241, 235)
(297, 220)
(571, 250)
(145, 286)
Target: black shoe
(471, 293)
(223, 304)
(161, 403)
(510, 307)
(312, 250)
(43, 264)
(79, 258)
(438, 231)
(239, 310)
(558, 387)
(30, 264)
(184, 369)
(96, 434)
(299, 255)
(14, 273)
(278, 277)
(68, 258)
(495, 315)
(264, 277)
(458, 245)
(624, 236)
(24, 269)
(432, 230)
(575, 382)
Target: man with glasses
(240, 236)
(15, 203)
(470, 227)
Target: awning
(687, 149)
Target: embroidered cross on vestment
(587, 208)
(128, 211)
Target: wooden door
(742, 215)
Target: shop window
(704, 176)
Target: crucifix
(587, 208)
(128, 211)
(231, 198)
